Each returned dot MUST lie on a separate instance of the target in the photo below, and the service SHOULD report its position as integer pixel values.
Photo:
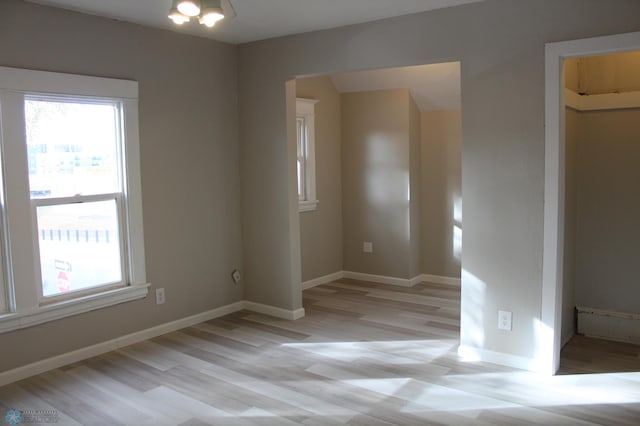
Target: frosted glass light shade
(189, 7)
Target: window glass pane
(72, 147)
(300, 180)
(79, 246)
(300, 132)
(300, 121)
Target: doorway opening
(387, 151)
(557, 312)
(602, 204)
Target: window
(306, 168)
(71, 205)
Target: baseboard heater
(609, 325)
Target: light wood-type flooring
(365, 354)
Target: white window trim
(23, 305)
(306, 108)
(66, 308)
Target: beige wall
(321, 230)
(189, 161)
(376, 182)
(441, 192)
(434, 178)
(500, 44)
(604, 74)
(608, 207)
(572, 74)
(415, 173)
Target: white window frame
(24, 306)
(305, 111)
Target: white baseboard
(274, 311)
(439, 279)
(326, 279)
(44, 365)
(471, 354)
(403, 282)
(609, 325)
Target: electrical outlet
(160, 296)
(504, 320)
(235, 275)
(367, 247)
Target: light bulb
(210, 18)
(178, 18)
(189, 7)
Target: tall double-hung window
(306, 161)
(71, 205)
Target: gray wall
(376, 181)
(415, 173)
(573, 122)
(441, 191)
(189, 155)
(608, 207)
(321, 229)
(500, 44)
(189, 151)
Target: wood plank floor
(365, 354)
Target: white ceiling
(258, 19)
(433, 87)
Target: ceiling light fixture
(208, 12)
(189, 8)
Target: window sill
(17, 321)
(307, 206)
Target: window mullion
(72, 200)
(21, 237)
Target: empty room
(362, 212)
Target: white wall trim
(274, 311)
(402, 282)
(609, 325)
(307, 205)
(606, 101)
(62, 83)
(79, 305)
(439, 279)
(471, 354)
(44, 365)
(608, 313)
(381, 279)
(325, 279)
